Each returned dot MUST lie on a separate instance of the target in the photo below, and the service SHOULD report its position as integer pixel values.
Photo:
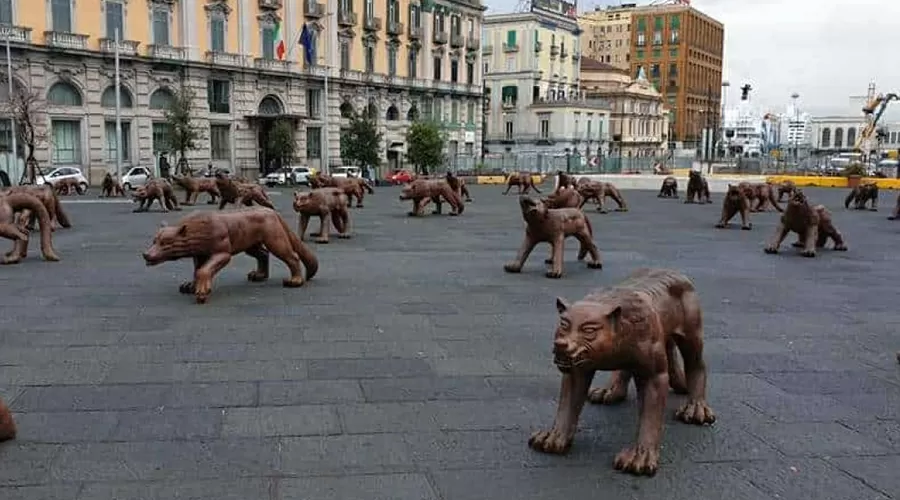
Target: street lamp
(725, 85)
(795, 125)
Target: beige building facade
(606, 35)
(639, 120)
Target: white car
(346, 172)
(136, 177)
(286, 175)
(58, 174)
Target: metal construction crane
(873, 110)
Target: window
(314, 102)
(470, 73)
(369, 9)
(642, 24)
(511, 38)
(675, 21)
(437, 68)
(639, 54)
(455, 25)
(826, 137)
(654, 71)
(415, 16)
(509, 130)
(6, 12)
(219, 143)
(218, 96)
(115, 15)
(5, 136)
(370, 58)
(674, 36)
(61, 13)
(427, 105)
(393, 11)
(544, 119)
(162, 133)
(487, 68)
(217, 33)
(162, 99)
(471, 28)
(454, 70)
(673, 52)
(657, 38)
(268, 41)
(511, 63)
(392, 60)
(111, 143)
(63, 94)
(439, 109)
(413, 62)
(161, 27)
(673, 70)
(509, 94)
(470, 112)
(108, 98)
(66, 142)
(658, 23)
(313, 142)
(345, 55)
(640, 40)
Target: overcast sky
(824, 50)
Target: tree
(280, 143)
(425, 146)
(183, 133)
(361, 141)
(29, 111)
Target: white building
(796, 128)
(743, 133)
(835, 133)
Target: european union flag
(308, 41)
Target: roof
(588, 64)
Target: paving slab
(413, 367)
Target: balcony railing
(167, 52)
(18, 34)
(224, 58)
(456, 40)
(554, 50)
(415, 32)
(538, 46)
(395, 28)
(346, 18)
(126, 47)
(270, 4)
(62, 40)
(563, 53)
(313, 9)
(266, 64)
(473, 42)
(510, 47)
(372, 23)
(439, 37)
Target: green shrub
(854, 169)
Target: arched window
(270, 106)
(108, 99)
(838, 138)
(346, 110)
(162, 99)
(393, 113)
(851, 137)
(64, 94)
(413, 113)
(826, 138)
(373, 111)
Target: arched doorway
(269, 111)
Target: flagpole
(118, 113)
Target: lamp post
(725, 85)
(792, 129)
(12, 118)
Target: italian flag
(279, 42)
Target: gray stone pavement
(412, 367)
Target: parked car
(287, 175)
(401, 176)
(136, 177)
(346, 172)
(58, 174)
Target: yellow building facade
(398, 59)
(606, 35)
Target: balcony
(126, 47)
(510, 47)
(270, 4)
(538, 46)
(16, 34)
(439, 37)
(576, 55)
(487, 50)
(346, 19)
(395, 28)
(313, 9)
(563, 53)
(473, 42)
(62, 40)
(456, 40)
(415, 32)
(554, 50)
(264, 64)
(224, 58)
(372, 23)
(167, 52)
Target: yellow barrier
(499, 179)
(837, 182)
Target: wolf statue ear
(615, 317)
(561, 305)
